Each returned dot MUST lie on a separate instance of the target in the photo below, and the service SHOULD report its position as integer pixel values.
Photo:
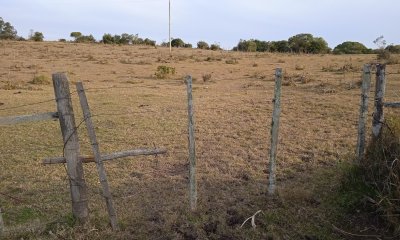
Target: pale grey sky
(217, 21)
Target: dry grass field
(133, 109)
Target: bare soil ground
(133, 108)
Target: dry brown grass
(232, 115)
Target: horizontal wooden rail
(107, 157)
(392, 104)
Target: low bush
(164, 72)
(382, 172)
(40, 80)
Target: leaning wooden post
(97, 157)
(192, 149)
(274, 131)
(378, 104)
(71, 147)
(362, 121)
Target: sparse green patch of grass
(232, 61)
(40, 80)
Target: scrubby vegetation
(382, 172)
(7, 31)
(351, 48)
(300, 43)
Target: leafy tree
(215, 47)
(108, 39)
(279, 46)
(393, 48)
(7, 31)
(79, 38)
(85, 39)
(318, 45)
(247, 45)
(188, 45)
(37, 37)
(202, 45)
(307, 43)
(149, 42)
(300, 43)
(350, 47)
(76, 35)
(126, 38)
(177, 42)
(262, 46)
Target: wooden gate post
(192, 148)
(274, 131)
(362, 121)
(379, 104)
(71, 147)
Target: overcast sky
(216, 21)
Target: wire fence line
(205, 127)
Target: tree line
(300, 43)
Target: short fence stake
(192, 150)
(365, 88)
(380, 86)
(71, 147)
(97, 157)
(274, 131)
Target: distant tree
(300, 43)
(279, 46)
(350, 47)
(149, 42)
(247, 45)
(215, 47)
(37, 37)
(383, 54)
(108, 39)
(188, 45)
(126, 38)
(138, 41)
(76, 35)
(262, 46)
(7, 31)
(79, 38)
(202, 45)
(62, 40)
(393, 48)
(318, 45)
(177, 42)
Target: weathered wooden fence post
(71, 147)
(97, 157)
(379, 103)
(362, 121)
(274, 131)
(192, 148)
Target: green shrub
(202, 45)
(207, 77)
(177, 42)
(164, 72)
(351, 48)
(37, 37)
(382, 171)
(215, 47)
